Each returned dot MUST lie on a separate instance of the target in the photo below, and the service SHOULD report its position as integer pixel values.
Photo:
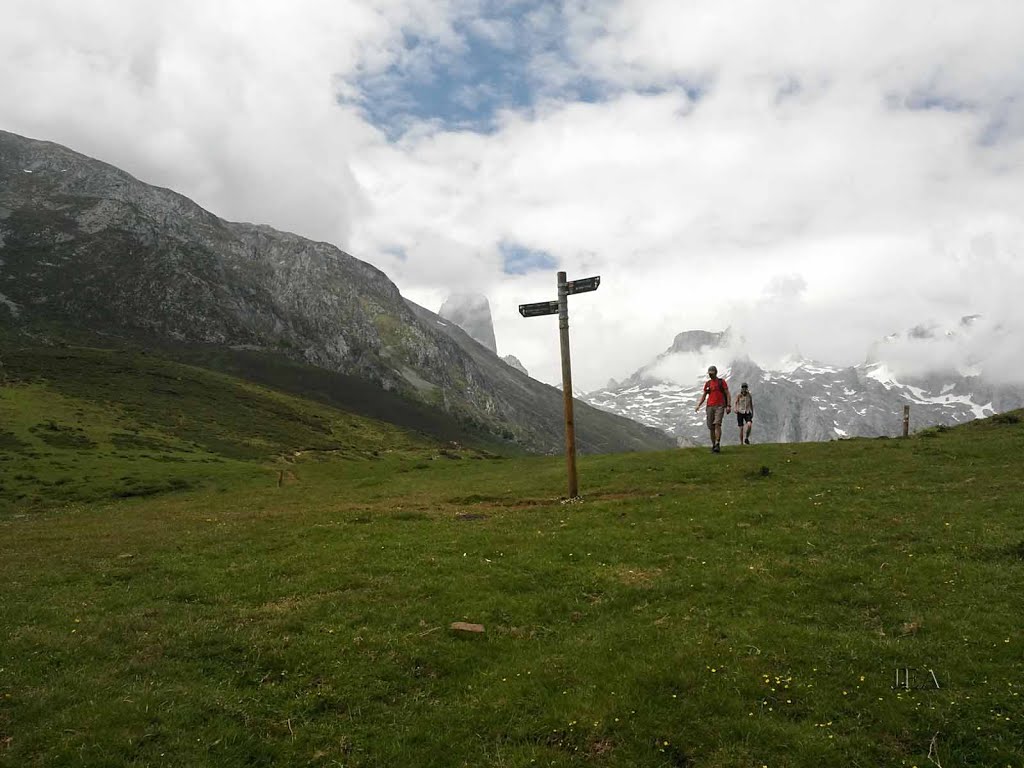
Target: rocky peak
(695, 341)
(472, 313)
(685, 343)
(515, 363)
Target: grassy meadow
(198, 571)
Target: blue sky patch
(519, 260)
(494, 67)
(508, 55)
(928, 99)
(998, 124)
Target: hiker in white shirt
(744, 408)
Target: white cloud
(798, 199)
(688, 368)
(969, 49)
(232, 103)
(688, 218)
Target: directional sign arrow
(583, 285)
(538, 309)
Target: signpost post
(561, 307)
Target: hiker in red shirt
(716, 391)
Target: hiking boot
(747, 441)
(716, 448)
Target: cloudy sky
(814, 175)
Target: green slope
(747, 609)
(81, 424)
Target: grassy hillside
(351, 394)
(85, 424)
(747, 609)
(348, 393)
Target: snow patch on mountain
(799, 399)
(880, 373)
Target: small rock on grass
(463, 626)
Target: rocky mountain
(472, 313)
(801, 401)
(516, 363)
(88, 251)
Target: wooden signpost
(561, 307)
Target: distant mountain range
(803, 400)
(91, 255)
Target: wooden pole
(537, 309)
(906, 420)
(570, 425)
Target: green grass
(86, 424)
(746, 609)
(77, 356)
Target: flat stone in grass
(463, 626)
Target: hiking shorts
(715, 415)
(744, 418)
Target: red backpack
(722, 387)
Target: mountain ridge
(89, 249)
(802, 401)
